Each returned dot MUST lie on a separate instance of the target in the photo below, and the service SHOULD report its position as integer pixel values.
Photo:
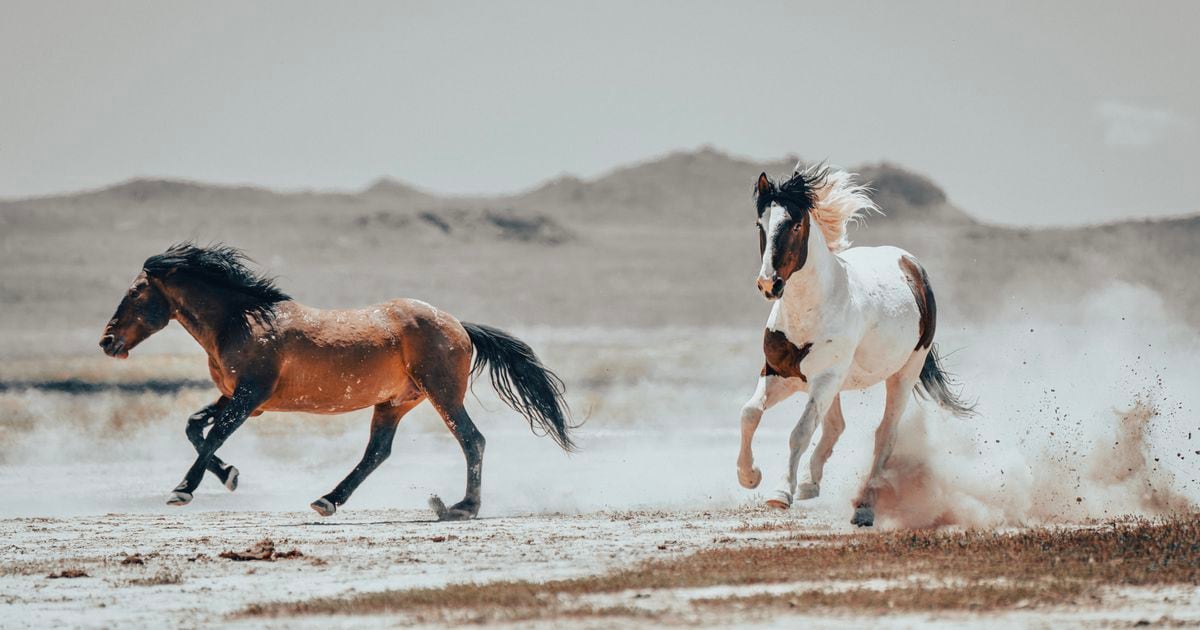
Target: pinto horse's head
(784, 225)
(142, 312)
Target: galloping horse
(842, 319)
(267, 352)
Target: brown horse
(267, 352)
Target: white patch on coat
(772, 222)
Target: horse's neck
(815, 291)
(203, 315)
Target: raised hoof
(323, 506)
(807, 491)
(863, 517)
(456, 512)
(781, 501)
(751, 481)
(231, 478)
(179, 499)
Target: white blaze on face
(772, 221)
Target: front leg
(771, 391)
(197, 422)
(823, 388)
(247, 396)
(831, 430)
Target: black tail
(522, 381)
(937, 385)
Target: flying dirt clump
(68, 573)
(261, 550)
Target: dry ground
(717, 567)
(646, 526)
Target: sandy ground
(83, 479)
(372, 550)
(358, 551)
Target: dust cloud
(1086, 412)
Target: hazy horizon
(1025, 114)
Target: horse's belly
(877, 358)
(338, 386)
(861, 377)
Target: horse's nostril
(106, 340)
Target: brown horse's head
(784, 224)
(210, 287)
(143, 311)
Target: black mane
(224, 267)
(797, 193)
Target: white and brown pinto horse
(842, 319)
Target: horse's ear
(763, 186)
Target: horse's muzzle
(771, 288)
(113, 347)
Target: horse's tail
(937, 385)
(521, 381)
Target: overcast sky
(1037, 112)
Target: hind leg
(831, 430)
(899, 390)
(472, 443)
(379, 447)
(442, 370)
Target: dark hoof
(323, 506)
(863, 517)
(179, 499)
(231, 478)
(461, 511)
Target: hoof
(231, 478)
(864, 516)
(752, 480)
(781, 501)
(179, 499)
(806, 491)
(456, 512)
(323, 506)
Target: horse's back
(336, 360)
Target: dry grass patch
(974, 596)
(1000, 570)
(769, 526)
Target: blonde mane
(838, 200)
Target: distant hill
(668, 241)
